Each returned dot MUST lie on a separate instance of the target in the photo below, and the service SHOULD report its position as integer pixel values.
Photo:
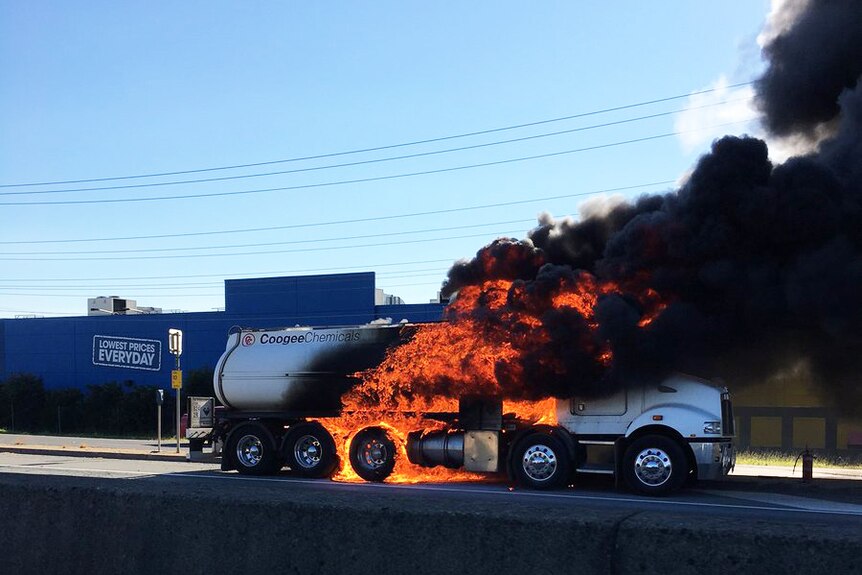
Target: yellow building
(789, 412)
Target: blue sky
(110, 89)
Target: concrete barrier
(661, 544)
(79, 525)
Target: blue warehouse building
(78, 351)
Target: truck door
(616, 404)
(603, 415)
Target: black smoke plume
(810, 65)
(760, 264)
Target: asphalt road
(827, 504)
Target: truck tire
(309, 450)
(252, 451)
(654, 465)
(372, 454)
(541, 461)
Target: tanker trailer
(271, 383)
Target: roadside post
(160, 400)
(175, 344)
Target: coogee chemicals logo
(248, 339)
(310, 337)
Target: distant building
(381, 298)
(788, 412)
(114, 305)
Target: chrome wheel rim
(374, 453)
(249, 450)
(653, 467)
(539, 462)
(307, 451)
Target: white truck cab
(683, 422)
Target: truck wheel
(309, 450)
(541, 461)
(252, 451)
(655, 465)
(372, 454)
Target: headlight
(713, 427)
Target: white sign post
(175, 345)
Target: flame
(397, 426)
(656, 306)
(495, 341)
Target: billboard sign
(127, 352)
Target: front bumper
(714, 459)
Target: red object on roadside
(807, 465)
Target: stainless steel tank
(298, 369)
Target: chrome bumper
(714, 459)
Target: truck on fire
(280, 389)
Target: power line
(132, 295)
(283, 243)
(361, 162)
(378, 148)
(32, 312)
(190, 286)
(241, 275)
(350, 221)
(55, 288)
(324, 285)
(335, 183)
(397, 274)
(274, 287)
(411, 284)
(302, 250)
(193, 285)
(371, 179)
(143, 294)
(144, 289)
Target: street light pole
(179, 392)
(175, 344)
